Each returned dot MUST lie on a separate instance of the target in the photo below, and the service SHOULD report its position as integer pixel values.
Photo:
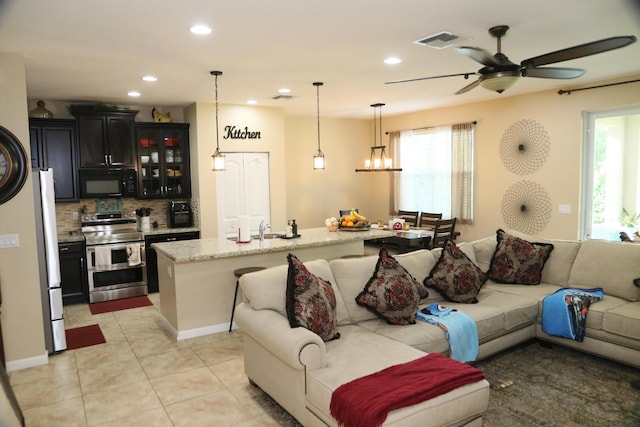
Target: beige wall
(315, 195)
(22, 327)
(269, 122)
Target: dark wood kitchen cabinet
(106, 138)
(163, 156)
(152, 256)
(54, 145)
(73, 273)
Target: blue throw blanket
(564, 312)
(459, 329)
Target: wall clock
(13, 165)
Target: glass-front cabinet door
(163, 160)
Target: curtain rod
(475, 122)
(568, 91)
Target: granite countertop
(212, 248)
(70, 237)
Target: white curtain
(437, 171)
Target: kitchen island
(196, 278)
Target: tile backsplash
(159, 211)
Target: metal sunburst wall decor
(524, 147)
(526, 207)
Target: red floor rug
(119, 304)
(84, 336)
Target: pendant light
(378, 160)
(318, 158)
(217, 159)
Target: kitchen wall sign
(232, 132)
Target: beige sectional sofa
(300, 371)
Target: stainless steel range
(116, 256)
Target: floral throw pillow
(310, 301)
(518, 261)
(392, 293)
(455, 276)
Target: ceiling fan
(499, 73)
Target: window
(437, 171)
(611, 174)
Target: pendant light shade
(378, 160)
(318, 158)
(217, 159)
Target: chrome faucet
(261, 228)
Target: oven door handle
(114, 246)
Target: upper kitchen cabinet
(54, 145)
(106, 137)
(163, 156)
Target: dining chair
(410, 217)
(443, 231)
(428, 215)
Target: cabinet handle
(64, 249)
(81, 262)
(110, 159)
(172, 239)
(106, 160)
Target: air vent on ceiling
(440, 40)
(285, 97)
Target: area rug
(84, 336)
(119, 304)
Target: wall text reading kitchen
(238, 133)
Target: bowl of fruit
(354, 222)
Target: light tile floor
(143, 377)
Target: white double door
(243, 189)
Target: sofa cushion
(557, 269)
(360, 352)
(391, 292)
(611, 266)
(310, 301)
(517, 260)
(266, 289)
(455, 276)
(623, 320)
(484, 250)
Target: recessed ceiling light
(284, 90)
(200, 29)
(134, 93)
(149, 78)
(252, 102)
(392, 60)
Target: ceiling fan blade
(580, 51)
(466, 76)
(480, 55)
(468, 87)
(553, 72)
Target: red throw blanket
(366, 401)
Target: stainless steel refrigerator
(48, 261)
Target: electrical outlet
(9, 241)
(76, 216)
(564, 209)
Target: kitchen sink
(257, 237)
(267, 236)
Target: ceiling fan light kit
(499, 73)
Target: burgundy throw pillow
(517, 261)
(455, 276)
(391, 292)
(310, 301)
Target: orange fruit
(350, 224)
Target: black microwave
(108, 183)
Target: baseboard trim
(30, 362)
(192, 333)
